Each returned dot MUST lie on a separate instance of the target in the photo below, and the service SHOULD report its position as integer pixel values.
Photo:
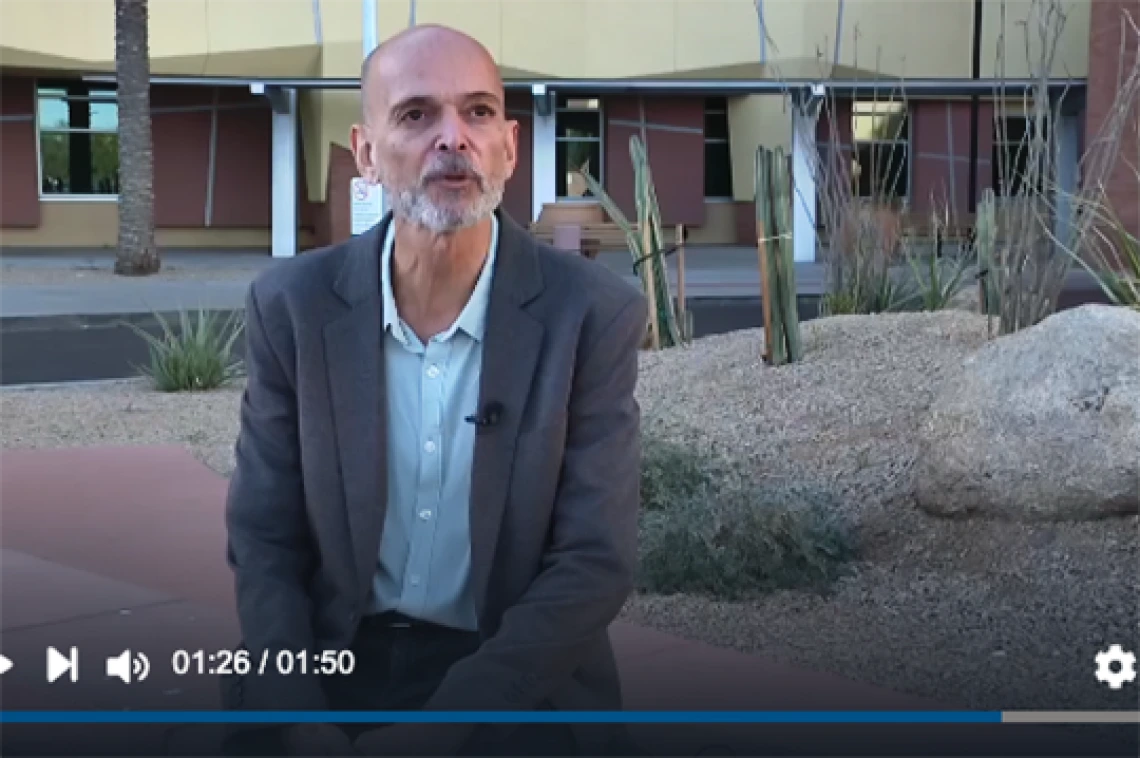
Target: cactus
(772, 197)
(646, 245)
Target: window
(578, 147)
(881, 132)
(718, 159)
(79, 139)
(1010, 161)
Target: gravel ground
(978, 614)
(973, 614)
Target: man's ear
(362, 153)
(512, 145)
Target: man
(437, 467)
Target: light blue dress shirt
(425, 552)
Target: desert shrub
(671, 472)
(198, 355)
(725, 536)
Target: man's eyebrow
(423, 101)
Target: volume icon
(127, 665)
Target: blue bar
(501, 717)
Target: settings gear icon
(1125, 667)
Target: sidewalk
(80, 284)
(109, 549)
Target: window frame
(727, 140)
(51, 197)
(869, 108)
(1005, 146)
(600, 141)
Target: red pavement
(114, 548)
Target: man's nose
(452, 132)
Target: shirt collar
(472, 319)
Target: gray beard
(414, 205)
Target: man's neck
(433, 275)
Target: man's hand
(317, 739)
(413, 739)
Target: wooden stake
(765, 288)
(681, 302)
(650, 286)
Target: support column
(805, 113)
(544, 165)
(285, 210)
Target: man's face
(436, 134)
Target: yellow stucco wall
(562, 38)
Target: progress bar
(571, 717)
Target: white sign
(367, 205)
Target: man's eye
(413, 115)
(482, 111)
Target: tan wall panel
(96, 224)
(69, 224)
(258, 24)
(178, 36)
(625, 38)
(1073, 48)
(719, 227)
(723, 32)
(906, 38)
(482, 19)
(310, 105)
(562, 37)
(753, 121)
(548, 37)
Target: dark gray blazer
(554, 499)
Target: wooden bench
(595, 237)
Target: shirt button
(433, 371)
(429, 446)
(415, 580)
(425, 514)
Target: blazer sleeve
(269, 548)
(589, 568)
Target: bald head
(416, 48)
(435, 130)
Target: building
(253, 100)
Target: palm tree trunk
(138, 254)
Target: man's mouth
(454, 180)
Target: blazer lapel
(354, 360)
(511, 351)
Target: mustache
(451, 164)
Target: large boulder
(1043, 424)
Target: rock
(966, 298)
(1043, 424)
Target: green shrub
(671, 471)
(196, 356)
(724, 536)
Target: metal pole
(369, 23)
(370, 40)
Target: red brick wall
(940, 154)
(518, 198)
(19, 174)
(182, 126)
(1107, 28)
(676, 158)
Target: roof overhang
(790, 76)
(842, 87)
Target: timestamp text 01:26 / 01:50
(242, 662)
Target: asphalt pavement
(67, 329)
